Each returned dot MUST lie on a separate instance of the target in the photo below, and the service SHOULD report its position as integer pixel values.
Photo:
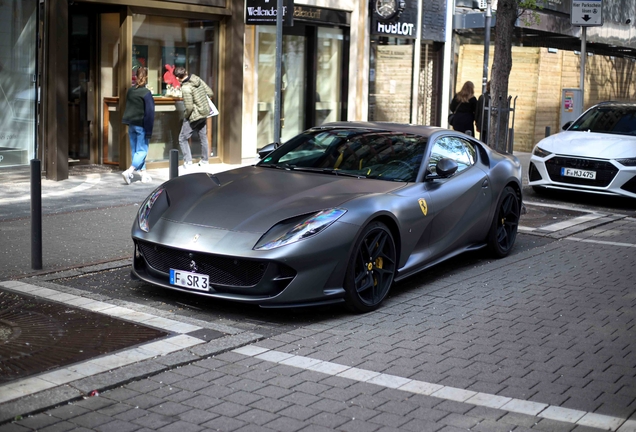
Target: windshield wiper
(329, 171)
(283, 166)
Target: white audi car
(596, 153)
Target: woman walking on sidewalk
(139, 115)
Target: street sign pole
(279, 72)
(484, 80)
(585, 13)
(583, 59)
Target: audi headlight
(538, 151)
(146, 207)
(297, 229)
(627, 161)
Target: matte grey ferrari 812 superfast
(337, 213)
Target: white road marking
(439, 391)
(570, 222)
(609, 243)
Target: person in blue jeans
(139, 115)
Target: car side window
(455, 148)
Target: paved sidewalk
(544, 339)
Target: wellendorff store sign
(263, 12)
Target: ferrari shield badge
(423, 206)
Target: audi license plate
(191, 280)
(578, 173)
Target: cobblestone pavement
(542, 340)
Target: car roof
(615, 104)
(425, 131)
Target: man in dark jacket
(482, 114)
(195, 99)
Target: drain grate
(38, 335)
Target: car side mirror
(264, 151)
(446, 167)
(566, 125)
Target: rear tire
(371, 269)
(503, 231)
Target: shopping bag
(213, 110)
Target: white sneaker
(145, 178)
(203, 162)
(128, 176)
(187, 165)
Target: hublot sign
(404, 25)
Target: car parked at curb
(596, 153)
(335, 214)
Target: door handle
(485, 184)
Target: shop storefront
(393, 37)
(93, 64)
(315, 71)
(18, 26)
(406, 67)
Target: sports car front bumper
(308, 272)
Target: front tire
(503, 231)
(371, 269)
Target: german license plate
(579, 173)
(190, 280)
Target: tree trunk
(507, 11)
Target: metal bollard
(36, 215)
(174, 163)
(511, 140)
(547, 131)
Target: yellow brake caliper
(378, 264)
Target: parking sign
(587, 13)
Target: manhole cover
(38, 335)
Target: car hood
(253, 199)
(590, 144)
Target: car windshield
(618, 119)
(363, 153)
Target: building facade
(90, 52)
(65, 67)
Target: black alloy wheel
(371, 269)
(503, 231)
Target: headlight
(144, 211)
(292, 231)
(538, 151)
(627, 161)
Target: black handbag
(451, 116)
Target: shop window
(18, 23)
(160, 44)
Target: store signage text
(260, 12)
(308, 14)
(399, 29)
(265, 12)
